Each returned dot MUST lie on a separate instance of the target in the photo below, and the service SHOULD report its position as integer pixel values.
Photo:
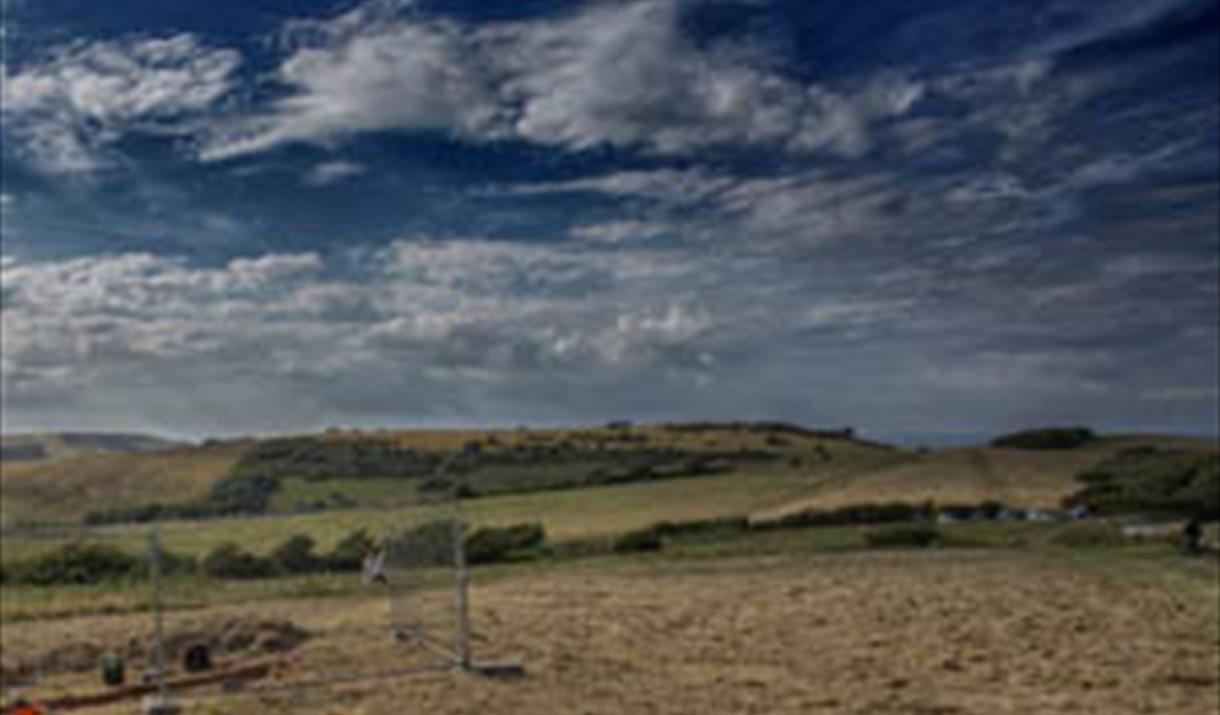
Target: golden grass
(946, 632)
(67, 489)
(1019, 478)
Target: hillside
(66, 488)
(381, 470)
(36, 447)
(970, 475)
(578, 481)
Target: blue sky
(921, 219)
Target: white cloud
(411, 326)
(383, 76)
(333, 172)
(616, 232)
(70, 107)
(615, 74)
(483, 330)
(670, 185)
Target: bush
(240, 494)
(1157, 482)
(889, 513)
(718, 526)
(495, 545)
(429, 544)
(349, 553)
(319, 459)
(296, 555)
(1047, 438)
(635, 541)
(903, 536)
(229, 561)
(235, 494)
(77, 563)
(172, 563)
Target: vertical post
(155, 572)
(462, 644)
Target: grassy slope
(856, 473)
(1021, 478)
(65, 489)
(566, 514)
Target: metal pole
(461, 577)
(462, 646)
(158, 613)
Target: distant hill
(36, 447)
(969, 475)
(761, 469)
(351, 466)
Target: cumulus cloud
(67, 109)
(613, 74)
(464, 330)
(434, 313)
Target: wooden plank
(255, 671)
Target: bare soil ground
(899, 632)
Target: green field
(566, 514)
(1095, 545)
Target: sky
(925, 220)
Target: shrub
(1163, 482)
(889, 513)
(296, 555)
(429, 544)
(718, 526)
(119, 515)
(229, 561)
(172, 563)
(77, 563)
(913, 536)
(240, 493)
(640, 540)
(349, 553)
(494, 545)
(318, 459)
(1047, 438)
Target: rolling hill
(35, 447)
(578, 481)
(970, 475)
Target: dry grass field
(66, 489)
(945, 632)
(970, 475)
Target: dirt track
(921, 633)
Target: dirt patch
(26, 659)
